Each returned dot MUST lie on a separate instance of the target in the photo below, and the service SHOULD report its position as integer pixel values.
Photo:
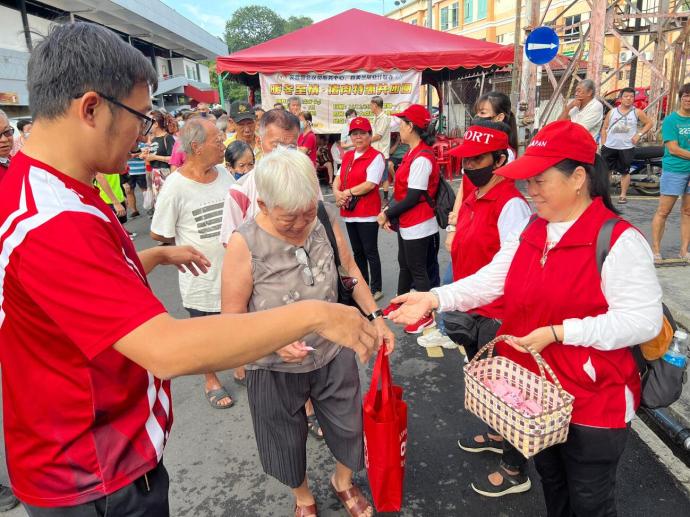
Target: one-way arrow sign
(541, 45)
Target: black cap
(241, 110)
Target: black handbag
(346, 283)
(352, 202)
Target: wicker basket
(529, 434)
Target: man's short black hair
(625, 90)
(23, 123)
(80, 57)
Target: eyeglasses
(7, 133)
(303, 258)
(146, 121)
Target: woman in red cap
(356, 190)
(416, 181)
(492, 211)
(581, 319)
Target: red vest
(422, 211)
(569, 286)
(477, 239)
(354, 172)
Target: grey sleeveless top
(279, 279)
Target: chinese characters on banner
(328, 96)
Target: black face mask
(480, 177)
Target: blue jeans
(447, 279)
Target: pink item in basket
(513, 397)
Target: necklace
(548, 246)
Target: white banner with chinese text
(328, 96)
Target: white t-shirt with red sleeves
(81, 420)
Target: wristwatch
(450, 228)
(378, 313)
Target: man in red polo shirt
(78, 321)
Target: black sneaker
(7, 499)
(511, 484)
(469, 444)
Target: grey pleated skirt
(276, 401)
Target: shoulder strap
(604, 241)
(326, 222)
(426, 195)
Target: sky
(212, 14)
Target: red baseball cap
(557, 141)
(479, 140)
(417, 114)
(361, 123)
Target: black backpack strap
(432, 203)
(326, 222)
(604, 241)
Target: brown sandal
(360, 505)
(306, 511)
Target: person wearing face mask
(494, 210)
(582, 317)
(239, 159)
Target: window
(468, 11)
(572, 33)
(481, 11)
(454, 15)
(414, 22)
(444, 18)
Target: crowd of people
(236, 205)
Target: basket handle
(543, 365)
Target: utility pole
(430, 18)
(597, 33)
(528, 85)
(658, 84)
(636, 45)
(515, 82)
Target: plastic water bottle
(676, 354)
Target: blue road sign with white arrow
(541, 46)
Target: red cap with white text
(480, 140)
(557, 141)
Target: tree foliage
(255, 24)
(250, 26)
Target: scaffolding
(665, 24)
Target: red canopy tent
(357, 40)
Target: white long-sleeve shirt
(628, 281)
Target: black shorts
(137, 180)
(618, 160)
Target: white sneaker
(435, 338)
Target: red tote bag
(385, 437)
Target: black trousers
(145, 497)
(365, 248)
(413, 258)
(579, 476)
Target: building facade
(175, 45)
(494, 21)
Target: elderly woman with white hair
(282, 256)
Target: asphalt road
(214, 467)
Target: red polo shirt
(81, 420)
